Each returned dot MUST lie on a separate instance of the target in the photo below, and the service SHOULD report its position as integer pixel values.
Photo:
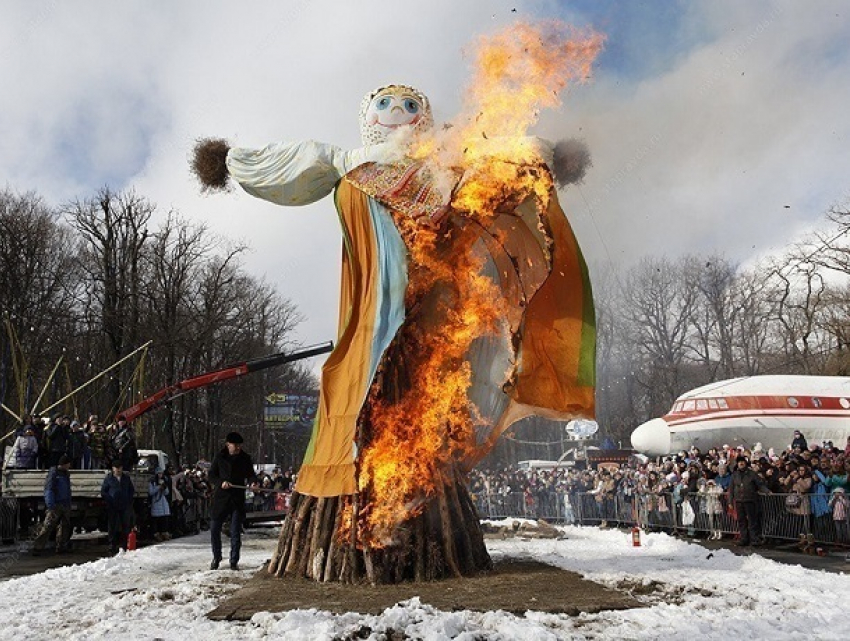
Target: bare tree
(660, 305)
(715, 314)
(617, 359)
(754, 298)
(114, 232)
(38, 286)
(801, 289)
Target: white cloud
(703, 157)
(707, 156)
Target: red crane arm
(171, 392)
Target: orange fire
(416, 440)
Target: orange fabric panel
(557, 358)
(328, 468)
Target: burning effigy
(465, 306)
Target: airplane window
(816, 401)
(688, 406)
(793, 402)
(702, 404)
(844, 403)
(712, 404)
(722, 403)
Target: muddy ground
(513, 586)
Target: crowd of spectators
(40, 443)
(813, 478)
(274, 493)
(178, 497)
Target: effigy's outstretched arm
(286, 173)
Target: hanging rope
(120, 401)
(96, 392)
(198, 419)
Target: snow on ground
(164, 591)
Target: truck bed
(84, 483)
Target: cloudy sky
(714, 126)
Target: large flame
(416, 439)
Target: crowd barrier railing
(808, 516)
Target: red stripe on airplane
(781, 401)
(715, 415)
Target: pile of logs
(319, 540)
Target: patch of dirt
(513, 586)
(654, 591)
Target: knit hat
(234, 437)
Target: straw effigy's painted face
(390, 108)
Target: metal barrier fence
(809, 516)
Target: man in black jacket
(230, 467)
(743, 494)
(117, 491)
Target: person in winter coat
(840, 505)
(158, 491)
(77, 443)
(821, 511)
(724, 477)
(118, 492)
(743, 494)
(98, 446)
(57, 499)
(25, 450)
(798, 484)
(713, 507)
(799, 441)
(124, 445)
(231, 466)
(57, 435)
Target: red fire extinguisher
(131, 540)
(636, 536)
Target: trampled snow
(164, 592)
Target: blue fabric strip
(392, 279)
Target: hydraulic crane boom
(171, 392)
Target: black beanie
(233, 437)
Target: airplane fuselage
(755, 409)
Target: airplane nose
(653, 437)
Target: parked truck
(22, 501)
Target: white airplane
(750, 410)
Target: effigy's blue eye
(383, 103)
(411, 105)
